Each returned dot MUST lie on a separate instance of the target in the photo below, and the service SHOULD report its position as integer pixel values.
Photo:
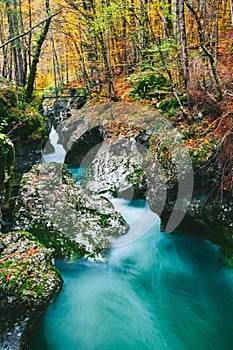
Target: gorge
(153, 290)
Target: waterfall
(59, 153)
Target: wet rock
(117, 169)
(63, 216)
(27, 153)
(209, 211)
(28, 283)
(87, 144)
(115, 160)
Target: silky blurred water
(155, 291)
(59, 153)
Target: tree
(36, 57)
(17, 46)
(231, 9)
(207, 53)
(183, 42)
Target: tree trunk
(4, 50)
(124, 40)
(56, 61)
(175, 18)
(66, 63)
(169, 19)
(22, 42)
(54, 71)
(144, 26)
(30, 34)
(12, 14)
(183, 43)
(231, 8)
(36, 56)
(133, 32)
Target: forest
(93, 44)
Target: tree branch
(29, 30)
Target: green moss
(16, 114)
(25, 181)
(7, 159)
(203, 152)
(26, 267)
(7, 100)
(103, 222)
(63, 245)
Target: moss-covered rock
(218, 213)
(210, 208)
(18, 116)
(7, 157)
(28, 282)
(24, 125)
(63, 216)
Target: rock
(63, 216)
(87, 143)
(209, 211)
(27, 153)
(7, 159)
(48, 149)
(116, 159)
(117, 169)
(59, 109)
(28, 283)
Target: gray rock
(63, 216)
(117, 169)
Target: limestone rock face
(117, 169)
(209, 212)
(28, 283)
(63, 216)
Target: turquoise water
(155, 291)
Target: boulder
(209, 211)
(63, 216)
(28, 283)
(117, 169)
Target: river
(155, 291)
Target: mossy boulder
(28, 283)
(63, 216)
